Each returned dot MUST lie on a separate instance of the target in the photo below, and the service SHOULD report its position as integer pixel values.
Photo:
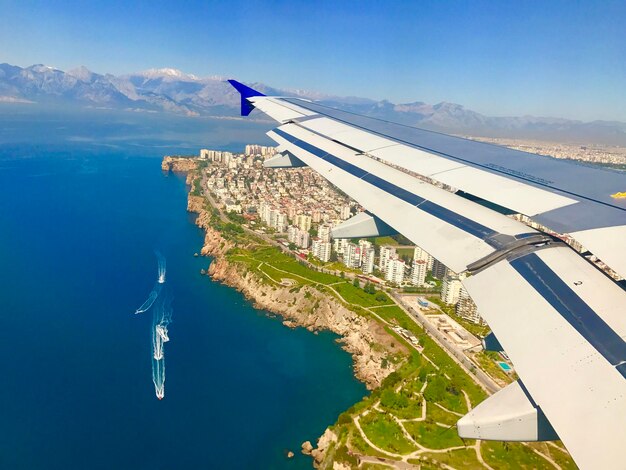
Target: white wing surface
(561, 321)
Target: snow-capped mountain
(171, 90)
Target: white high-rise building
(265, 211)
(323, 232)
(367, 255)
(204, 154)
(352, 256)
(364, 245)
(321, 249)
(418, 272)
(254, 149)
(273, 214)
(292, 233)
(302, 239)
(395, 271)
(345, 212)
(340, 245)
(466, 308)
(386, 253)
(281, 222)
(303, 222)
(451, 290)
(419, 254)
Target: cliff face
(367, 341)
(315, 311)
(179, 164)
(306, 307)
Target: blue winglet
(246, 92)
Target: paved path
(480, 377)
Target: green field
(386, 433)
(461, 458)
(356, 295)
(506, 455)
(435, 437)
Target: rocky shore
(366, 340)
(306, 308)
(178, 164)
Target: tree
(356, 283)
(436, 390)
(369, 288)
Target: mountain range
(172, 91)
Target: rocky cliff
(306, 307)
(366, 340)
(179, 164)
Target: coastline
(418, 389)
(366, 340)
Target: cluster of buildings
(595, 153)
(453, 293)
(277, 198)
(302, 207)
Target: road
(454, 352)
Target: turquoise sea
(83, 207)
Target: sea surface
(84, 206)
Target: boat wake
(151, 298)
(161, 317)
(160, 300)
(161, 266)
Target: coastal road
(454, 352)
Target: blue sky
(549, 58)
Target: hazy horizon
(556, 59)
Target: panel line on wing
(571, 307)
(488, 167)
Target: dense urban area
(609, 155)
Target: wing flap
(546, 189)
(608, 244)
(459, 231)
(575, 334)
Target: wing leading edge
(559, 319)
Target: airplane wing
(560, 320)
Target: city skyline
(555, 59)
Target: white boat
(162, 332)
